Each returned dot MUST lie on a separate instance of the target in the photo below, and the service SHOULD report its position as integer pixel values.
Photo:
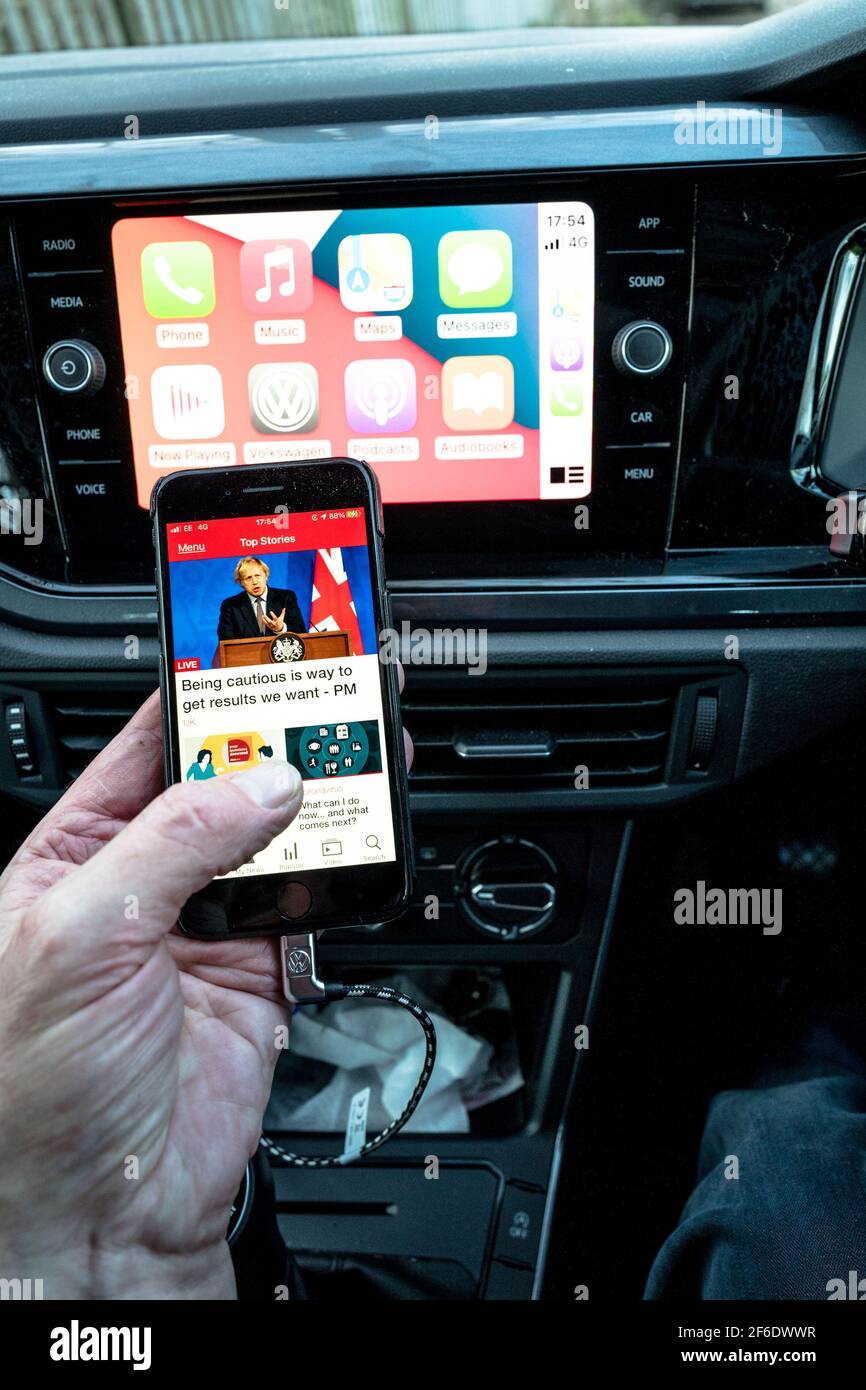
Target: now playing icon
(187, 402)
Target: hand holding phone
(88, 911)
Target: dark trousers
(792, 1223)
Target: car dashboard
(651, 529)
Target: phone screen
(274, 656)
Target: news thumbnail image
(335, 750)
(210, 755)
(248, 610)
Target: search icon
(373, 842)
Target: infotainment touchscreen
(450, 346)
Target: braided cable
(383, 992)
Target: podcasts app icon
(381, 395)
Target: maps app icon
(375, 272)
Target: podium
(282, 649)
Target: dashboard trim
(685, 600)
(575, 141)
(826, 352)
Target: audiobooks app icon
(187, 402)
(478, 393)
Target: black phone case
(396, 750)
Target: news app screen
(451, 347)
(275, 658)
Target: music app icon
(277, 277)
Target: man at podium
(258, 610)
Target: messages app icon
(475, 269)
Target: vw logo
(298, 962)
(284, 397)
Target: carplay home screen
(451, 347)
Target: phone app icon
(566, 398)
(566, 354)
(277, 276)
(177, 279)
(284, 397)
(478, 393)
(381, 395)
(375, 272)
(187, 402)
(475, 269)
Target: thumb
(132, 890)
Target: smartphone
(272, 599)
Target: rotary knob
(74, 367)
(508, 887)
(642, 348)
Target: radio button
(69, 249)
(74, 367)
(642, 348)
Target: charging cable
(301, 985)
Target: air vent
(85, 720)
(493, 732)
